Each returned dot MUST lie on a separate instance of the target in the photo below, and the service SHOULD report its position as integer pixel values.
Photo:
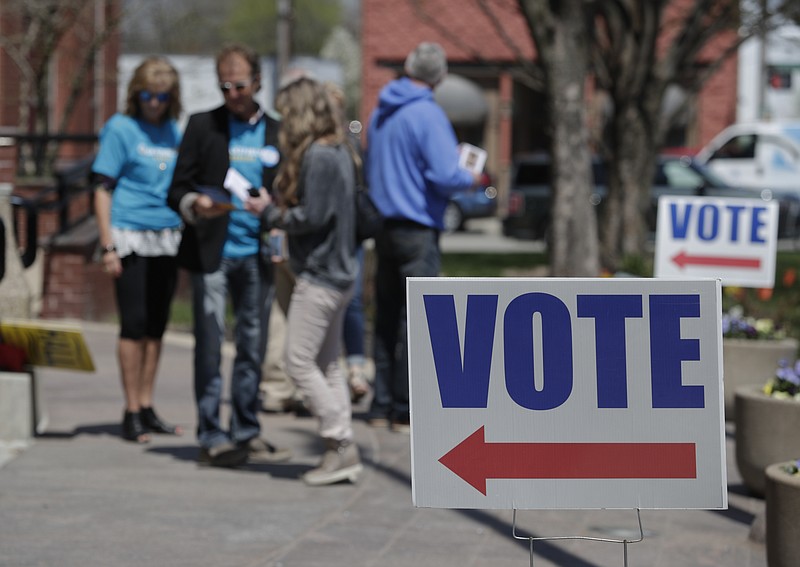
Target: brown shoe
(261, 451)
(378, 421)
(226, 455)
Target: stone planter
(766, 433)
(750, 362)
(783, 516)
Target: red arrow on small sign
(475, 461)
(682, 259)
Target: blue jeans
(251, 292)
(354, 316)
(404, 250)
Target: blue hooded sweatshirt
(412, 155)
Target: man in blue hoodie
(412, 170)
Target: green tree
(254, 22)
(173, 26)
(341, 46)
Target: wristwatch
(109, 248)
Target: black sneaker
(226, 455)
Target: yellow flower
(764, 326)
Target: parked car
(756, 155)
(529, 199)
(528, 210)
(478, 202)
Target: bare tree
(641, 48)
(35, 33)
(560, 31)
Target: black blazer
(203, 160)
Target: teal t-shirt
(141, 157)
(244, 151)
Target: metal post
(624, 542)
(761, 92)
(284, 38)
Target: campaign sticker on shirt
(269, 156)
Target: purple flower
(787, 379)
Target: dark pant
(404, 250)
(144, 294)
(354, 315)
(251, 293)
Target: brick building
(477, 52)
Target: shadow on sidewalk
(112, 429)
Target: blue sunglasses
(147, 96)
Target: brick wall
(392, 28)
(74, 284)
(8, 159)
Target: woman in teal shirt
(139, 233)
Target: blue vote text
(710, 222)
(464, 381)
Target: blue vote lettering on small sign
(465, 383)
(711, 222)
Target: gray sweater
(321, 228)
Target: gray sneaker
(223, 455)
(261, 451)
(340, 462)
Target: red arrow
(683, 259)
(474, 460)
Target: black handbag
(369, 219)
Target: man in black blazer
(222, 249)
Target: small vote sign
(732, 239)
(566, 393)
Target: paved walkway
(80, 497)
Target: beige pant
(314, 332)
(280, 392)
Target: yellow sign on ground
(48, 343)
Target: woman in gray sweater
(315, 206)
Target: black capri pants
(144, 295)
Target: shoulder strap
(358, 165)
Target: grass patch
(490, 265)
(180, 318)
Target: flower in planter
(792, 468)
(786, 382)
(736, 326)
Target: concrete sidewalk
(79, 496)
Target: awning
(462, 100)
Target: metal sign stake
(624, 542)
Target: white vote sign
(566, 393)
(731, 239)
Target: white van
(758, 155)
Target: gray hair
(427, 63)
